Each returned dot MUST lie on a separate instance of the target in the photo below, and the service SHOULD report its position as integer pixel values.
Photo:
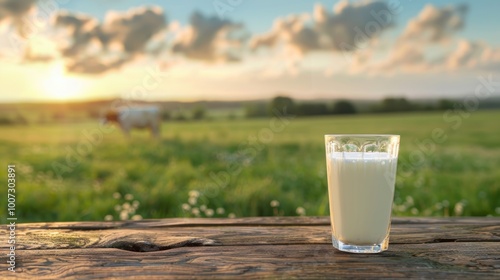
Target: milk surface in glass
(361, 189)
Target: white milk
(361, 189)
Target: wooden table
(273, 247)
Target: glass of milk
(361, 170)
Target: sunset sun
(57, 85)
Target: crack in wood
(146, 246)
(439, 240)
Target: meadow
(448, 166)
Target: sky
(65, 50)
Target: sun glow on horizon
(59, 86)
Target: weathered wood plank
(250, 221)
(155, 238)
(461, 260)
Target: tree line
(282, 104)
(342, 107)
(288, 105)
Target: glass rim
(364, 135)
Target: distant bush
(4, 120)
(445, 104)
(287, 105)
(199, 113)
(9, 120)
(282, 104)
(427, 107)
(391, 104)
(343, 107)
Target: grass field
(238, 167)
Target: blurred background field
(427, 70)
(262, 173)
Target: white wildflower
(459, 209)
(195, 211)
(124, 215)
(135, 204)
(209, 212)
(194, 194)
(136, 217)
(186, 207)
(117, 195)
(192, 200)
(275, 203)
(221, 210)
(300, 211)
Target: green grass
(238, 167)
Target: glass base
(367, 249)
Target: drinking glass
(361, 171)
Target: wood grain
(274, 247)
(280, 261)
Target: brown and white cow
(136, 117)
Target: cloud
(32, 56)
(478, 55)
(349, 26)
(359, 61)
(14, 11)
(82, 28)
(466, 54)
(352, 24)
(98, 47)
(490, 59)
(95, 65)
(293, 32)
(406, 57)
(432, 27)
(132, 30)
(435, 24)
(210, 39)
